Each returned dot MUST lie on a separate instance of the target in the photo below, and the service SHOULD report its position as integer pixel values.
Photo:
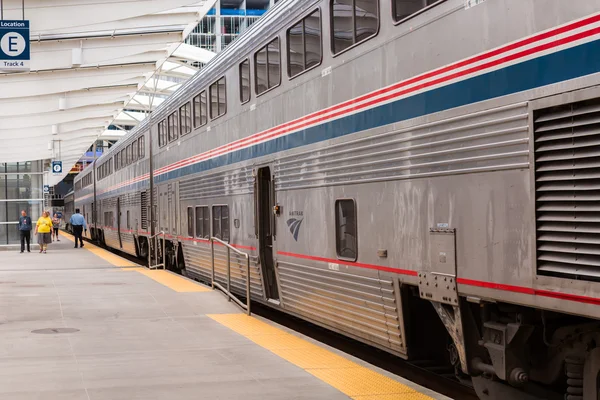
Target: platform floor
(84, 324)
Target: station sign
(15, 53)
(46, 189)
(57, 167)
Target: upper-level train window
(131, 154)
(134, 152)
(221, 222)
(304, 44)
(403, 9)
(117, 165)
(346, 244)
(218, 101)
(200, 114)
(202, 222)
(142, 147)
(162, 133)
(352, 22)
(245, 81)
(267, 67)
(123, 158)
(173, 126)
(185, 118)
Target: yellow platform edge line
(350, 378)
(172, 280)
(103, 254)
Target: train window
(202, 223)
(190, 221)
(173, 127)
(162, 133)
(345, 230)
(185, 119)
(123, 160)
(267, 62)
(117, 162)
(218, 101)
(200, 114)
(221, 222)
(403, 9)
(142, 147)
(245, 81)
(108, 218)
(134, 152)
(304, 44)
(353, 21)
(128, 220)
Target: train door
(172, 209)
(92, 223)
(264, 196)
(119, 222)
(87, 220)
(163, 209)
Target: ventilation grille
(567, 175)
(144, 207)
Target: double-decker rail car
(417, 175)
(69, 209)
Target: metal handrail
(218, 285)
(150, 266)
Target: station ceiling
(90, 61)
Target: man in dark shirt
(25, 230)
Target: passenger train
(419, 175)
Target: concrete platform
(84, 324)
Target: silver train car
(421, 176)
(69, 209)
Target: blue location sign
(14, 46)
(57, 167)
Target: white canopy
(94, 63)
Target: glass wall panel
(21, 188)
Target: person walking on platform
(43, 230)
(55, 226)
(79, 225)
(25, 230)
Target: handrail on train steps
(227, 291)
(153, 238)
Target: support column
(218, 29)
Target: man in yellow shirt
(43, 229)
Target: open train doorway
(264, 206)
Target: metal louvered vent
(144, 208)
(567, 175)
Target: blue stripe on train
(545, 70)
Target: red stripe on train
(349, 263)
(462, 281)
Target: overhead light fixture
(55, 129)
(77, 57)
(62, 103)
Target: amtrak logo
(294, 225)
